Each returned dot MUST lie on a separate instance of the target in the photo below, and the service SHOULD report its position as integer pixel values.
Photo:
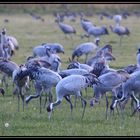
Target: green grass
(31, 33)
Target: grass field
(31, 33)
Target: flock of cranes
(43, 68)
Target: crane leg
(132, 105)
(120, 40)
(5, 81)
(86, 90)
(50, 98)
(22, 97)
(71, 105)
(45, 101)
(107, 103)
(137, 102)
(117, 107)
(84, 103)
(40, 97)
(112, 104)
(18, 101)
(75, 101)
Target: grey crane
(1, 46)
(117, 18)
(66, 29)
(3, 43)
(120, 31)
(85, 24)
(11, 69)
(44, 80)
(103, 54)
(55, 47)
(40, 50)
(132, 70)
(71, 85)
(21, 84)
(131, 88)
(73, 71)
(110, 81)
(36, 17)
(7, 67)
(98, 31)
(9, 44)
(78, 65)
(85, 49)
(51, 58)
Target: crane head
(73, 64)
(98, 67)
(49, 110)
(3, 31)
(2, 91)
(109, 57)
(91, 79)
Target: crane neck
(52, 105)
(56, 103)
(138, 59)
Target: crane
(120, 31)
(44, 80)
(85, 24)
(109, 82)
(85, 49)
(72, 85)
(98, 31)
(40, 50)
(66, 29)
(7, 67)
(117, 18)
